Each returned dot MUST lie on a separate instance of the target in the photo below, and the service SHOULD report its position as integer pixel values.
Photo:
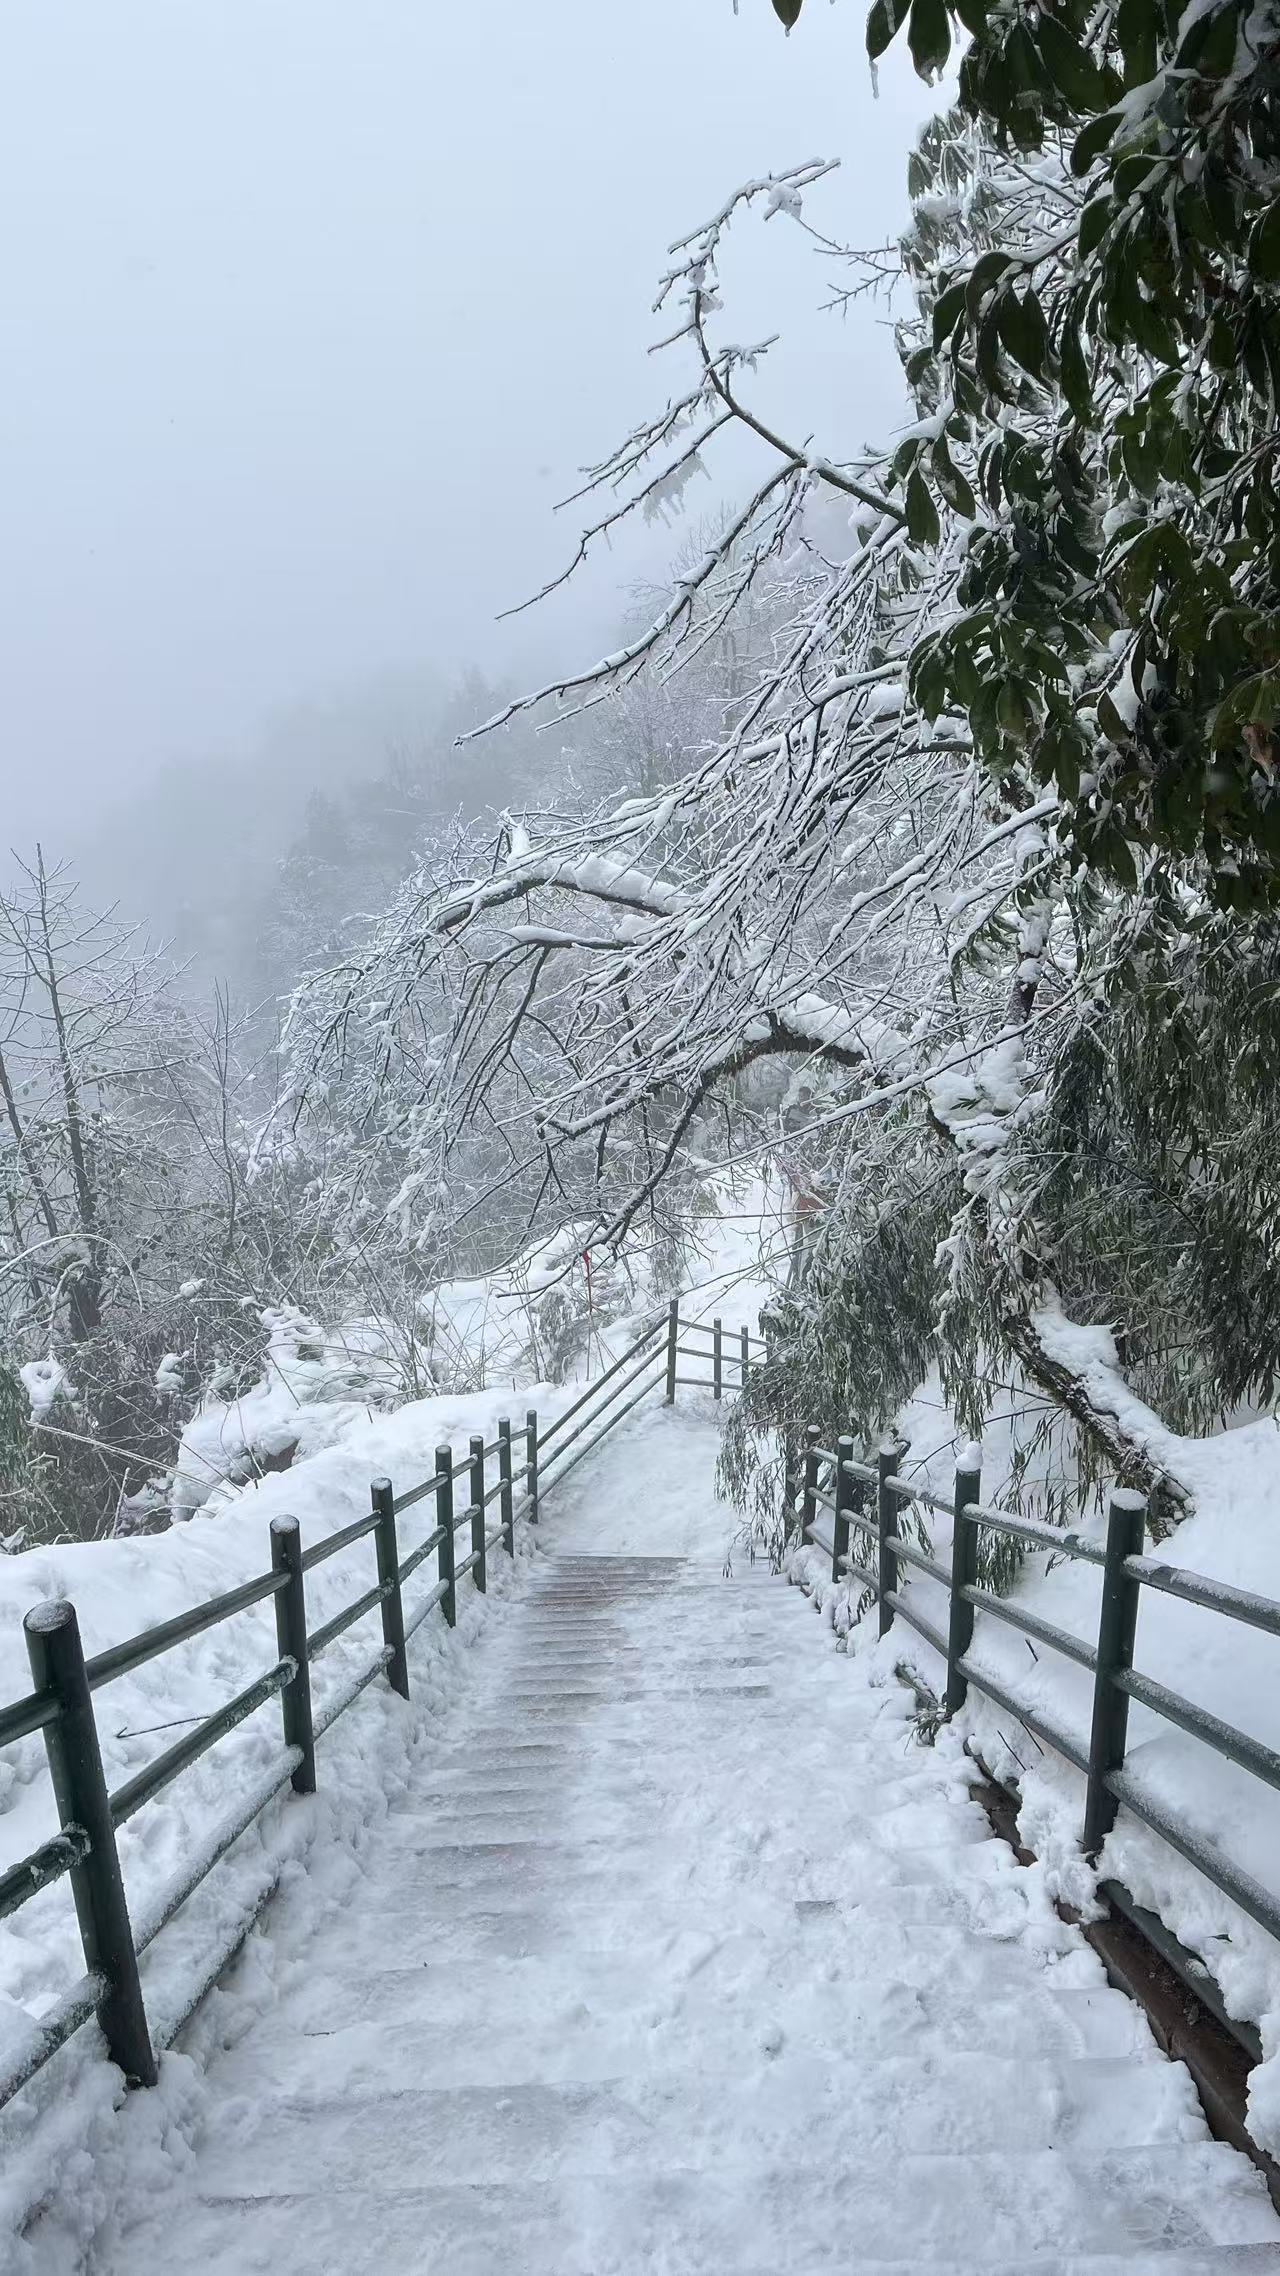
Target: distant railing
(864, 1501)
(60, 1703)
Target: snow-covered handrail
(1101, 1753)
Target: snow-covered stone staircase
(686, 1958)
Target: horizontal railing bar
(1224, 1738)
(896, 1602)
(1030, 1624)
(918, 1557)
(828, 1501)
(820, 1541)
(1240, 1886)
(417, 1556)
(1216, 1596)
(908, 1493)
(546, 1484)
(1061, 1741)
(33, 1713)
(1185, 1963)
(323, 1550)
(341, 1621)
(657, 1327)
(464, 1565)
(170, 1899)
(650, 1360)
(498, 1487)
(348, 1698)
(862, 1573)
(862, 1471)
(1030, 1529)
(731, 1335)
(463, 1519)
(43, 2038)
(175, 1759)
(120, 1659)
(496, 1535)
(432, 1600)
(215, 1959)
(47, 1864)
(417, 1494)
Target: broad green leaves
(1105, 488)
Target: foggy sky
(309, 311)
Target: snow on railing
(866, 1501)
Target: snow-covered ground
(673, 1951)
(1220, 1665)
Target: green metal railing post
(75, 1765)
(506, 1499)
(291, 1641)
(388, 1555)
(809, 1504)
(531, 1457)
(717, 1360)
(746, 1356)
(673, 1348)
(887, 1462)
(480, 1570)
(444, 1520)
(1117, 1626)
(964, 1574)
(844, 1503)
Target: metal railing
(60, 1703)
(865, 1503)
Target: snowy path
(684, 1958)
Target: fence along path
(683, 1957)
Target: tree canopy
(1098, 372)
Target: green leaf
(922, 515)
(1137, 29)
(1210, 45)
(952, 485)
(1094, 223)
(1264, 246)
(1012, 710)
(1070, 66)
(882, 23)
(986, 271)
(929, 37)
(929, 683)
(1109, 720)
(948, 309)
(1074, 373)
(1022, 328)
(1092, 141)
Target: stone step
(402, 1924)
(1137, 2213)
(699, 2118)
(425, 2026)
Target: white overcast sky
(309, 310)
